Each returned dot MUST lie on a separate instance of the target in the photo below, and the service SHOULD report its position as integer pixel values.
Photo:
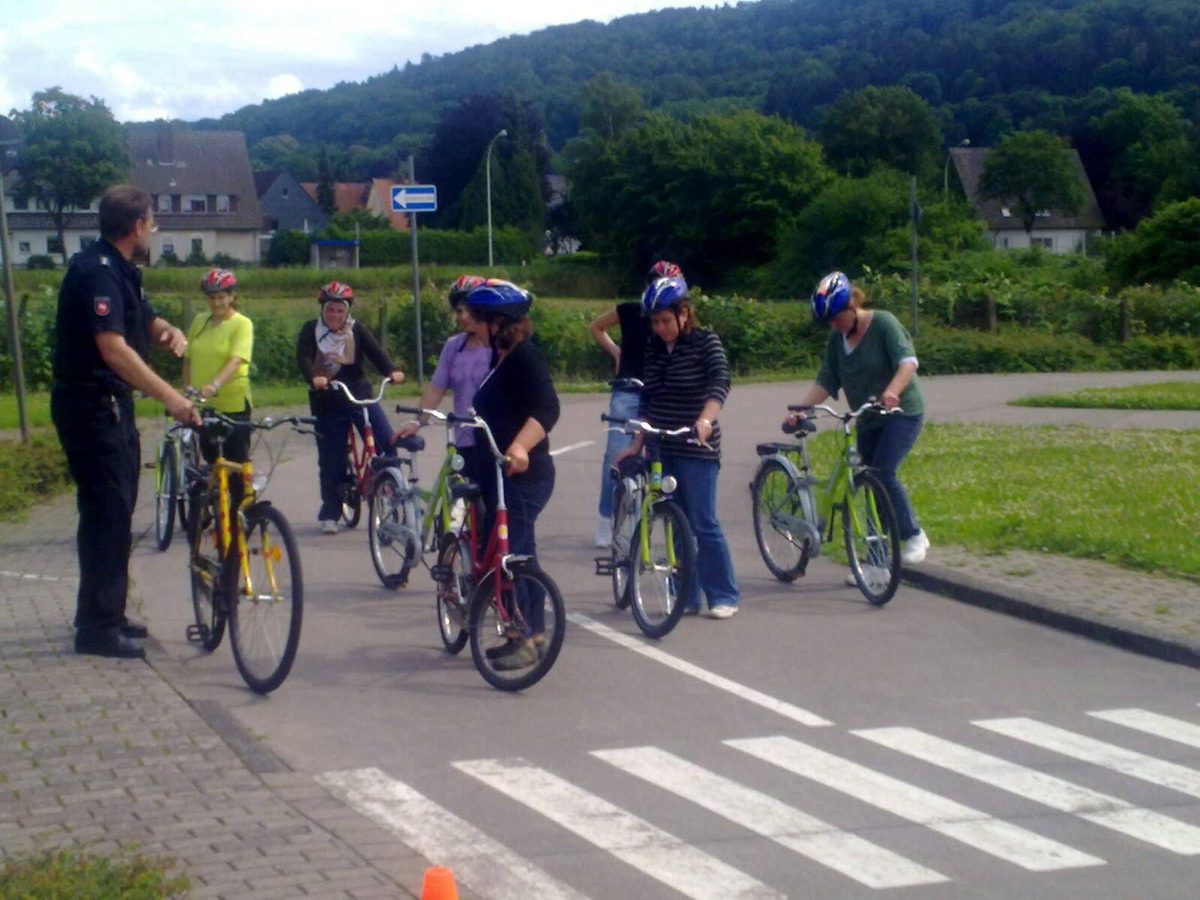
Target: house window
(86, 241)
(21, 203)
(195, 203)
(1046, 242)
(222, 203)
(23, 246)
(168, 247)
(54, 245)
(164, 203)
(1006, 212)
(197, 246)
(1042, 214)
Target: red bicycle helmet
(338, 291)
(663, 269)
(218, 280)
(462, 287)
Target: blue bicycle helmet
(830, 297)
(495, 297)
(666, 293)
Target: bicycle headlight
(457, 463)
(669, 484)
(259, 482)
(854, 457)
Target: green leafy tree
(73, 149)
(1032, 171)
(1163, 248)
(288, 248)
(366, 220)
(881, 126)
(325, 198)
(608, 107)
(284, 152)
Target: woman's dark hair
(120, 209)
(511, 331)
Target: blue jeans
(883, 449)
(332, 428)
(697, 494)
(622, 405)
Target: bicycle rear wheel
(267, 606)
(455, 587)
(662, 573)
(624, 521)
(872, 538)
(204, 564)
(351, 494)
(778, 518)
(516, 638)
(391, 531)
(166, 488)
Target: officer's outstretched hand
(181, 409)
(174, 340)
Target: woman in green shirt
(870, 354)
(217, 362)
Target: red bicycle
(503, 603)
(357, 483)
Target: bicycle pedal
(197, 634)
(605, 565)
(442, 572)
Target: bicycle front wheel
(872, 538)
(268, 604)
(455, 586)
(391, 530)
(166, 488)
(204, 564)
(662, 567)
(624, 522)
(516, 635)
(778, 522)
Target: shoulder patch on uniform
(101, 305)
(104, 261)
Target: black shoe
(108, 643)
(132, 629)
(511, 646)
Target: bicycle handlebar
(419, 411)
(632, 424)
(350, 396)
(872, 405)
(476, 421)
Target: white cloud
(282, 85)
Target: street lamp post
(503, 132)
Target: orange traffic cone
(439, 884)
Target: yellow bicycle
(244, 564)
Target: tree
(1033, 171)
(325, 196)
(74, 149)
(881, 126)
(1162, 249)
(608, 107)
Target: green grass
(1165, 395)
(69, 873)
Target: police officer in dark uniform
(106, 326)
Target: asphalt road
(811, 746)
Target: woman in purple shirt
(465, 360)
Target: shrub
(39, 261)
(29, 473)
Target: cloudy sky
(190, 59)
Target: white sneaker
(329, 526)
(724, 611)
(603, 536)
(912, 551)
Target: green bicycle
(176, 468)
(794, 513)
(653, 558)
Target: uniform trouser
(104, 456)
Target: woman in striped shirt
(687, 380)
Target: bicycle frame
(360, 460)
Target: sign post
(412, 199)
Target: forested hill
(987, 65)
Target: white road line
(1100, 809)
(1109, 756)
(1153, 723)
(658, 854)
(570, 447)
(762, 814)
(962, 823)
(486, 866)
(787, 710)
(30, 576)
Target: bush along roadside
(30, 474)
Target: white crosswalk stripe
(1153, 723)
(1101, 809)
(1100, 753)
(947, 817)
(821, 842)
(437, 834)
(633, 840)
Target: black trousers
(98, 435)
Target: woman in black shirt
(519, 403)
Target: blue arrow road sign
(414, 197)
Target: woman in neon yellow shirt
(220, 343)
